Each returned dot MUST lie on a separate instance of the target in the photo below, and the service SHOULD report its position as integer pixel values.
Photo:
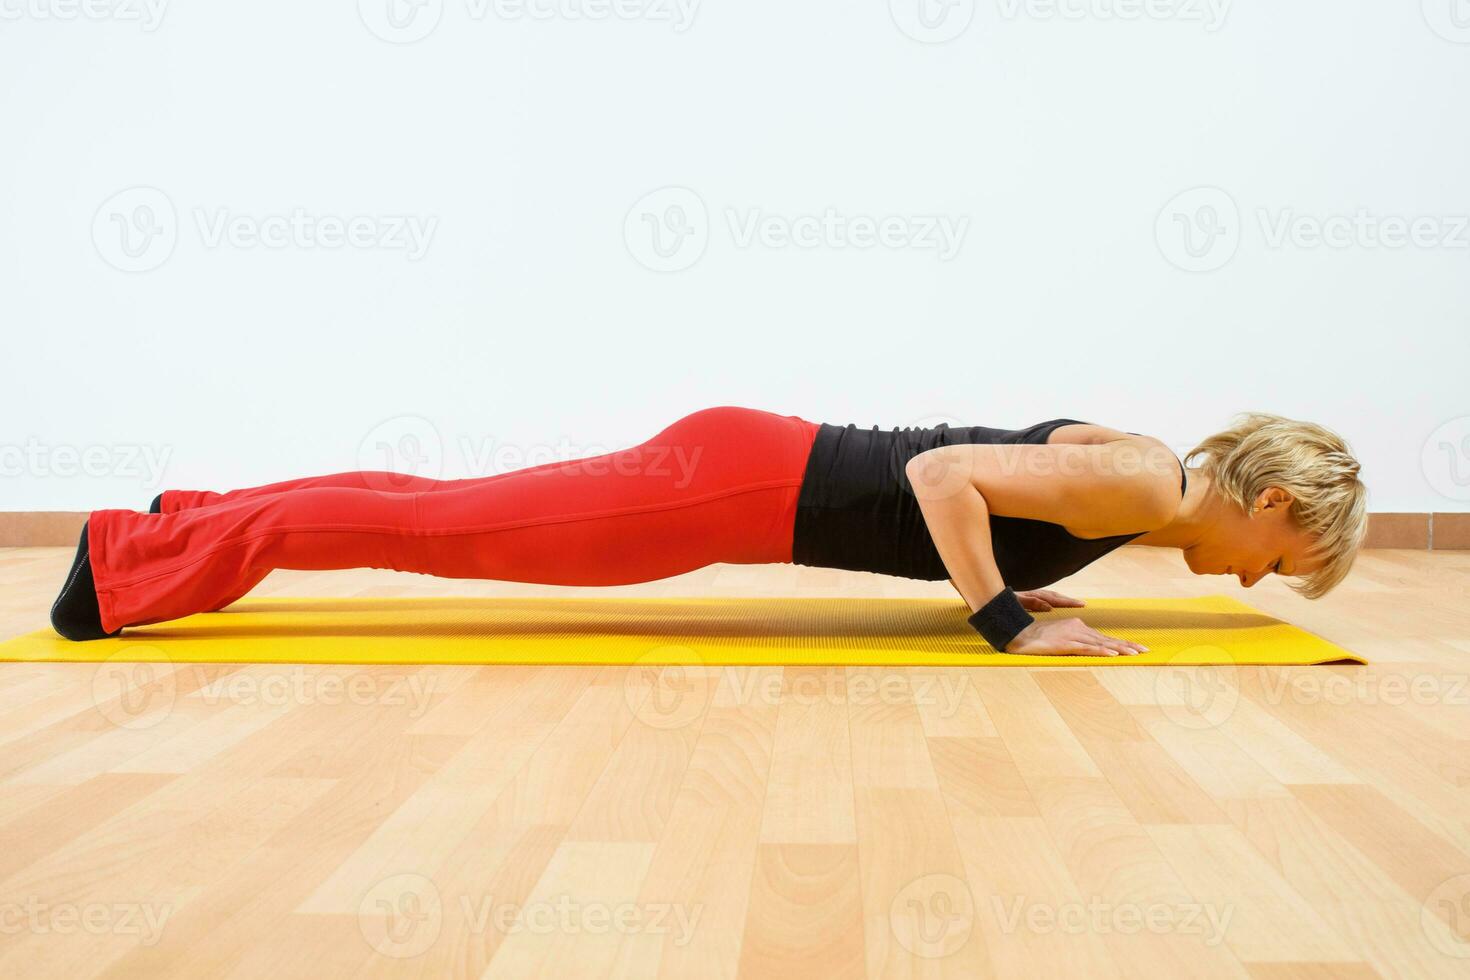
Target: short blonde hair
(1311, 463)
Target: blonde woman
(1001, 513)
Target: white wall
(529, 324)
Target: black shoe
(157, 506)
(75, 614)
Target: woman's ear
(1272, 498)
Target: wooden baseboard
(1421, 532)
(40, 529)
(1431, 532)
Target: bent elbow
(938, 473)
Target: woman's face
(1252, 545)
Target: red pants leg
(172, 501)
(384, 482)
(177, 500)
(717, 486)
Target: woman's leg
(717, 486)
(172, 501)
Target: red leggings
(719, 485)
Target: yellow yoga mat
(649, 632)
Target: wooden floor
(241, 821)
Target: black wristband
(1000, 619)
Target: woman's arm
(1123, 486)
(1040, 600)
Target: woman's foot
(75, 614)
(157, 506)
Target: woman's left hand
(1045, 600)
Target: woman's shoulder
(1073, 432)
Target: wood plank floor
(240, 821)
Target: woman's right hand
(1070, 638)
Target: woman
(1001, 513)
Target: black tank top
(857, 510)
